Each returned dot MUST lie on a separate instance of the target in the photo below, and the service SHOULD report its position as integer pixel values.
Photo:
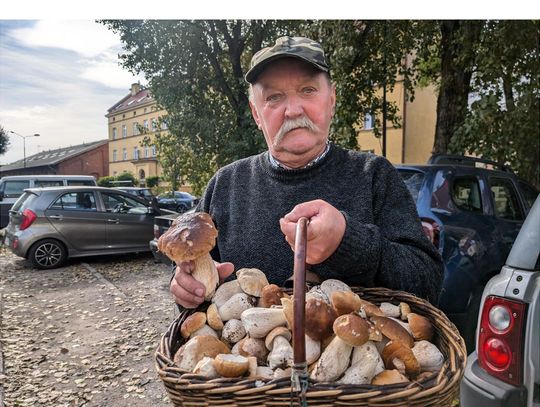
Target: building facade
(137, 110)
(84, 159)
(412, 143)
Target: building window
(146, 151)
(115, 172)
(114, 133)
(145, 124)
(114, 119)
(135, 113)
(145, 110)
(154, 124)
(136, 129)
(153, 151)
(164, 125)
(114, 155)
(124, 131)
(135, 153)
(368, 121)
(124, 154)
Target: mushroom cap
(405, 310)
(397, 350)
(271, 294)
(331, 285)
(251, 281)
(421, 327)
(274, 333)
(345, 302)
(190, 236)
(352, 329)
(288, 310)
(370, 309)
(196, 348)
(229, 365)
(192, 323)
(393, 330)
(253, 347)
(428, 355)
(320, 317)
(389, 377)
(233, 331)
(213, 318)
(205, 367)
(390, 310)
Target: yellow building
(413, 142)
(125, 118)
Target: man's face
(293, 106)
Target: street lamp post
(24, 144)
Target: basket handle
(299, 291)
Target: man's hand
(187, 291)
(325, 230)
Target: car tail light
(500, 341)
(432, 230)
(156, 232)
(28, 217)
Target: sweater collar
(274, 163)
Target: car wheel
(47, 254)
(181, 208)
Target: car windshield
(23, 201)
(14, 189)
(413, 180)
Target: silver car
(50, 225)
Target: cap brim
(252, 75)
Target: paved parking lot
(82, 335)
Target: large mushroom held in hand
(191, 237)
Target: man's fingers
(184, 297)
(224, 270)
(306, 209)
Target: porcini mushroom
(205, 367)
(281, 351)
(352, 329)
(428, 355)
(365, 364)
(320, 317)
(192, 323)
(251, 281)
(225, 291)
(233, 308)
(398, 350)
(421, 327)
(331, 285)
(258, 322)
(333, 361)
(271, 294)
(390, 310)
(213, 318)
(233, 331)
(253, 347)
(228, 365)
(196, 348)
(345, 302)
(393, 330)
(389, 377)
(191, 237)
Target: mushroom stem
(205, 272)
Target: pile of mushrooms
(246, 329)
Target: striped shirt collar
(276, 164)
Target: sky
(57, 79)
(59, 70)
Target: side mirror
(150, 210)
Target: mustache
(288, 125)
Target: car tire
(47, 254)
(181, 208)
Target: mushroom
(225, 291)
(345, 302)
(389, 377)
(369, 309)
(228, 365)
(191, 237)
(264, 372)
(317, 292)
(390, 310)
(192, 323)
(428, 355)
(280, 373)
(281, 351)
(393, 330)
(313, 350)
(398, 350)
(213, 318)
(404, 309)
(205, 367)
(319, 318)
(204, 330)
(253, 347)
(271, 294)
(333, 361)
(259, 321)
(251, 281)
(233, 331)
(403, 324)
(197, 348)
(288, 310)
(233, 308)
(365, 364)
(331, 285)
(421, 327)
(352, 329)
(374, 333)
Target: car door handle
(113, 220)
(57, 217)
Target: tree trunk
(458, 40)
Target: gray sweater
(383, 244)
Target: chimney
(135, 88)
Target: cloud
(108, 74)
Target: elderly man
(363, 228)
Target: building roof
(131, 101)
(53, 157)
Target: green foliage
(152, 181)
(106, 181)
(4, 141)
(127, 176)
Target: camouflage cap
(295, 47)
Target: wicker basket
(438, 389)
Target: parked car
(177, 201)
(13, 186)
(504, 371)
(50, 225)
(145, 193)
(473, 216)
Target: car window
(122, 204)
(529, 193)
(47, 183)
(75, 201)
(22, 203)
(466, 194)
(14, 189)
(505, 199)
(76, 183)
(413, 180)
